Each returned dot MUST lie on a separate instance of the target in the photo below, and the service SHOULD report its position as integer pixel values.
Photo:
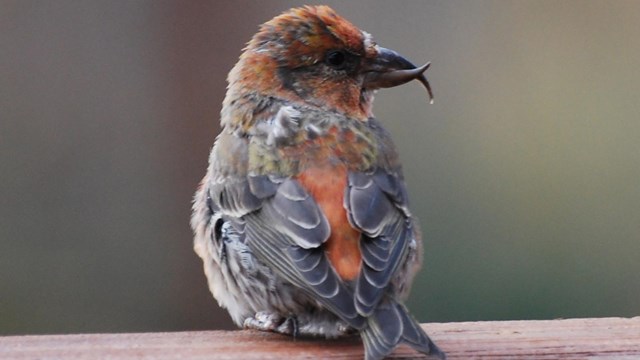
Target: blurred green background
(524, 173)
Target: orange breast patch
(327, 185)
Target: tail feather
(391, 325)
(414, 336)
(383, 332)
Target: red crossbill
(302, 218)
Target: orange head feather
(288, 59)
(314, 57)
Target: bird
(302, 219)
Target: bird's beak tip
(390, 69)
(424, 81)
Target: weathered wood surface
(604, 338)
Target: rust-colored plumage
(302, 220)
(326, 184)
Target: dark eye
(336, 59)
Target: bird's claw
(266, 321)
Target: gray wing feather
(297, 215)
(375, 253)
(234, 197)
(376, 204)
(307, 269)
(286, 232)
(316, 270)
(263, 186)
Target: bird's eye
(336, 59)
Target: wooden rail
(604, 338)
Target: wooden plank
(603, 338)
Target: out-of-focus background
(525, 173)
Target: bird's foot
(266, 321)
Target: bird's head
(312, 55)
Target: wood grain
(602, 338)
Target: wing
(285, 229)
(377, 206)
